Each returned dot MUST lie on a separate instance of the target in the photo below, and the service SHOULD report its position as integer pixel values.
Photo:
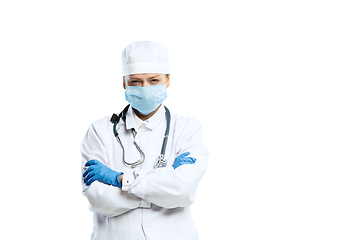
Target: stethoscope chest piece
(161, 162)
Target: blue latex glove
(99, 172)
(183, 159)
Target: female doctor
(138, 190)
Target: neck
(145, 117)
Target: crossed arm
(169, 187)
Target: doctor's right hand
(99, 172)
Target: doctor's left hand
(99, 172)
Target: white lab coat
(157, 204)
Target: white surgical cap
(145, 57)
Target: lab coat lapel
(130, 120)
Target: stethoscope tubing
(161, 160)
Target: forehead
(144, 75)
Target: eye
(154, 80)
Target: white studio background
(275, 85)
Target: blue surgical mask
(146, 99)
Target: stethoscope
(161, 162)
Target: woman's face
(146, 80)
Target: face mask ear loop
(126, 79)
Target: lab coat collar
(132, 121)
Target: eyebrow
(135, 78)
(155, 76)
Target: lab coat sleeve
(172, 188)
(104, 199)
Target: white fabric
(145, 57)
(127, 181)
(157, 205)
